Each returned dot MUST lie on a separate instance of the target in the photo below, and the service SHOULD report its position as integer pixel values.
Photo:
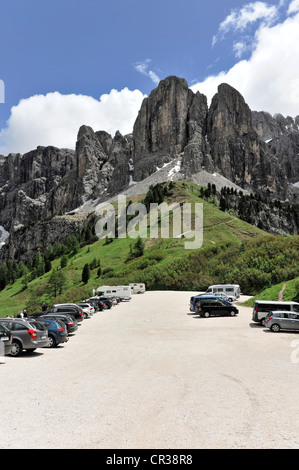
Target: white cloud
(239, 48)
(238, 20)
(55, 119)
(293, 7)
(269, 79)
(142, 67)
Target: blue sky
(71, 62)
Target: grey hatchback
(26, 334)
(282, 320)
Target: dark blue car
(57, 332)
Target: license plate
(43, 337)
(4, 338)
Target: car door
(294, 321)
(216, 307)
(284, 320)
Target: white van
(261, 308)
(123, 292)
(137, 288)
(233, 291)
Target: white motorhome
(137, 288)
(233, 291)
(123, 292)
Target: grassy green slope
(289, 289)
(166, 264)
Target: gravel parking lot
(148, 374)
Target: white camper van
(123, 292)
(137, 288)
(233, 291)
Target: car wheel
(275, 328)
(206, 314)
(232, 313)
(16, 348)
(51, 342)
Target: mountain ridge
(176, 136)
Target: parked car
(224, 296)
(97, 303)
(107, 302)
(88, 309)
(114, 301)
(282, 320)
(5, 338)
(27, 334)
(261, 308)
(196, 299)
(70, 323)
(73, 310)
(57, 331)
(207, 307)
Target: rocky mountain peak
(174, 126)
(229, 113)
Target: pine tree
(4, 280)
(63, 261)
(85, 273)
(56, 283)
(139, 247)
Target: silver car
(26, 334)
(282, 320)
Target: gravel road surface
(148, 374)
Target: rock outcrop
(254, 151)
(237, 151)
(36, 185)
(282, 138)
(170, 123)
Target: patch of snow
(131, 182)
(131, 166)
(165, 164)
(296, 185)
(174, 170)
(3, 236)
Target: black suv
(208, 307)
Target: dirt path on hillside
(280, 294)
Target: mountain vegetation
(233, 251)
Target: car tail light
(32, 333)
(70, 323)
(270, 318)
(60, 329)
